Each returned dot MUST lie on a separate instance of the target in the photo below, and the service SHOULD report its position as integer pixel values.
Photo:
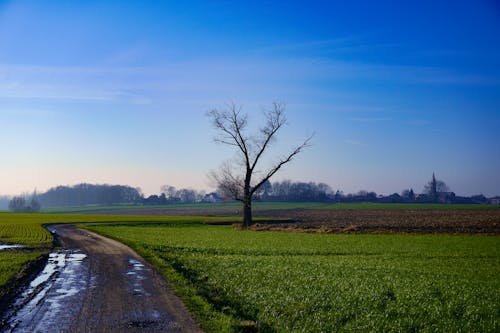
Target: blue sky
(117, 91)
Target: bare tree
(23, 203)
(231, 125)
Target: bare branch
(231, 123)
(230, 185)
(282, 162)
(275, 120)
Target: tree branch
(284, 161)
(230, 185)
(232, 124)
(275, 120)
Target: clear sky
(117, 91)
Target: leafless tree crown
(231, 125)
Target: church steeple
(434, 186)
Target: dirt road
(101, 286)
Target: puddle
(135, 274)
(10, 246)
(152, 320)
(52, 298)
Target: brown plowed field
(459, 221)
(423, 220)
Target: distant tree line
(295, 192)
(4, 202)
(88, 194)
(171, 195)
(435, 191)
(25, 203)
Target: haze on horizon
(117, 92)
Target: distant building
(494, 201)
(212, 198)
(446, 197)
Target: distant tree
(170, 192)
(478, 199)
(22, 203)
(393, 198)
(17, 204)
(183, 195)
(151, 200)
(408, 195)
(365, 196)
(187, 195)
(265, 191)
(4, 202)
(231, 125)
(325, 188)
(162, 199)
(371, 197)
(34, 205)
(296, 191)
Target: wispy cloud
(69, 83)
(359, 108)
(418, 122)
(354, 142)
(440, 131)
(369, 120)
(309, 44)
(242, 78)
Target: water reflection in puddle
(10, 246)
(52, 300)
(136, 276)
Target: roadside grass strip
(12, 263)
(290, 282)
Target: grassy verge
(11, 263)
(283, 282)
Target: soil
(448, 221)
(124, 293)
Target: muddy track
(111, 290)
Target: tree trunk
(247, 199)
(247, 213)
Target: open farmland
(27, 229)
(281, 282)
(277, 282)
(463, 220)
(201, 209)
(313, 217)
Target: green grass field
(283, 282)
(289, 282)
(27, 229)
(13, 262)
(234, 206)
